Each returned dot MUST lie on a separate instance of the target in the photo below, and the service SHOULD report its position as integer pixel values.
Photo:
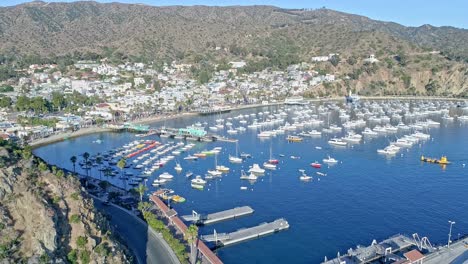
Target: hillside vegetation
(46, 217)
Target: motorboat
(197, 186)
(166, 175)
(316, 165)
(198, 180)
(190, 157)
(304, 177)
(330, 160)
(294, 139)
(214, 173)
(159, 182)
(189, 174)
(337, 142)
(178, 168)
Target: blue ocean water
(365, 196)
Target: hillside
(46, 218)
(61, 28)
(265, 36)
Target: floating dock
(219, 216)
(241, 235)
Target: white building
(371, 59)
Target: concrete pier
(248, 233)
(219, 216)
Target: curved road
(147, 245)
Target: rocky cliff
(46, 217)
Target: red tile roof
(414, 255)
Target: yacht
(214, 173)
(166, 175)
(198, 180)
(222, 168)
(337, 142)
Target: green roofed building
(192, 132)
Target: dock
(201, 219)
(240, 235)
(376, 251)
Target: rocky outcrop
(46, 217)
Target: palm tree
(121, 164)
(86, 157)
(141, 189)
(73, 160)
(191, 235)
(99, 161)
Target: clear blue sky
(406, 12)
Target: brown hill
(60, 28)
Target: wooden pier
(201, 219)
(241, 235)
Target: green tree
(99, 162)
(144, 206)
(86, 158)
(5, 102)
(121, 164)
(141, 189)
(81, 241)
(335, 60)
(73, 161)
(191, 235)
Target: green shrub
(74, 219)
(102, 250)
(75, 196)
(72, 257)
(81, 241)
(85, 257)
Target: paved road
(456, 254)
(147, 245)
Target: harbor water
(364, 196)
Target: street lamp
(450, 233)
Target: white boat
(178, 168)
(190, 157)
(256, 169)
(214, 173)
(265, 134)
(304, 177)
(337, 142)
(159, 182)
(222, 168)
(166, 175)
(368, 132)
(330, 160)
(198, 180)
(250, 177)
(269, 166)
(188, 174)
(243, 188)
(233, 159)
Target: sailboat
(220, 168)
(272, 160)
(215, 172)
(235, 159)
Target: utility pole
(450, 233)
